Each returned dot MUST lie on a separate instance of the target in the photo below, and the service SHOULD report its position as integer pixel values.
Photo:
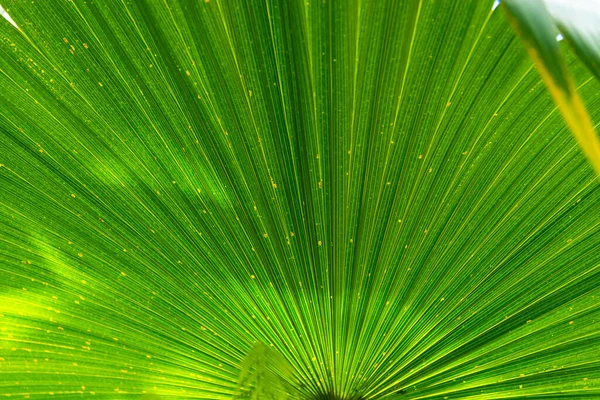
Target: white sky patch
(559, 37)
(8, 17)
(578, 18)
(495, 5)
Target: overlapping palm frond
(322, 199)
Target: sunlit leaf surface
(379, 196)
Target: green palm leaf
(293, 199)
(538, 24)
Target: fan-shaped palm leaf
(379, 197)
